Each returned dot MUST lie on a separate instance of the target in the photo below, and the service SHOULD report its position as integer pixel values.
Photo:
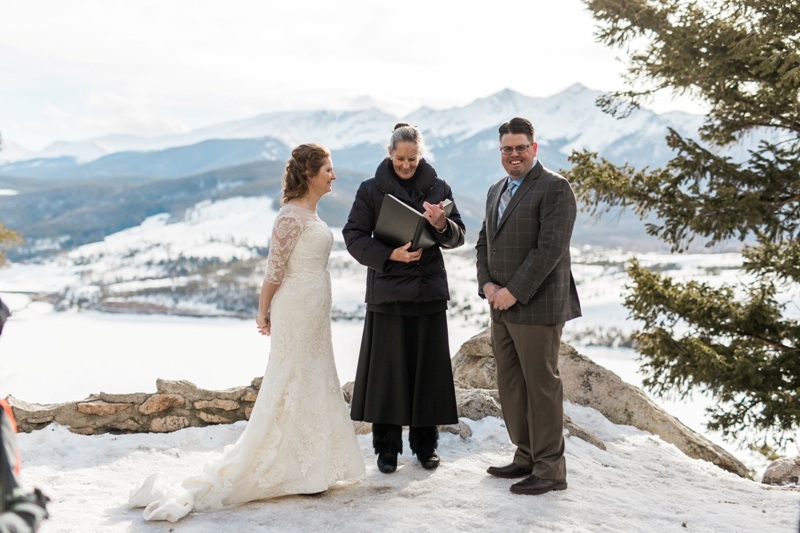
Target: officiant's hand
(403, 255)
(435, 215)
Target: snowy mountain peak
(335, 128)
(568, 120)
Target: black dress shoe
(509, 471)
(430, 463)
(387, 462)
(536, 485)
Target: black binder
(399, 223)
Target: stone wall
(175, 405)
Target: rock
(476, 404)
(347, 391)
(784, 471)
(180, 387)
(473, 364)
(167, 424)
(191, 392)
(362, 428)
(250, 394)
(461, 429)
(158, 403)
(575, 430)
(101, 408)
(589, 384)
(125, 426)
(217, 403)
(213, 419)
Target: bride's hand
(263, 324)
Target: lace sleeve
(285, 232)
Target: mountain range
(72, 193)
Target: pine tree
(742, 60)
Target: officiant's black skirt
(404, 374)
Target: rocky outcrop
(784, 471)
(587, 383)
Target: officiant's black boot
(423, 442)
(387, 439)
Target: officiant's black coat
(391, 281)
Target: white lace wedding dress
(299, 439)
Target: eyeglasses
(508, 150)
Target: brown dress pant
(531, 394)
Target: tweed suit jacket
(528, 250)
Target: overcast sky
(76, 69)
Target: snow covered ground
(639, 484)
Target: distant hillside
(61, 216)
(56, 218)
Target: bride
(299, 439)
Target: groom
(524, 272)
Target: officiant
(404, 376)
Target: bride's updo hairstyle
(305, 163)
